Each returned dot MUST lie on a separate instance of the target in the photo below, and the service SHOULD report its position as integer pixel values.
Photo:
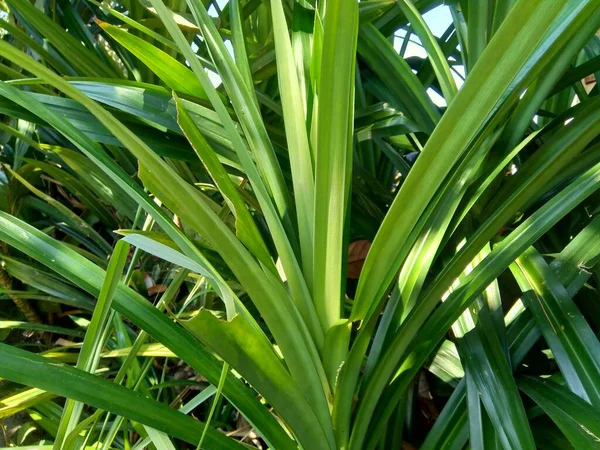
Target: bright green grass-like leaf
(77, 187)
(245, 107)
(49, 55)
(46, 282)
(252, 356)
(421, 345)
(215, 403)
(246, 229)
(585, 23)
(438, 60)
(93, 341)
(558, 151)
(450, 430)
(24, 367)
(229, 298)
(333, 156)
(454, 137)
(263, 287)
(168, 69)
(404, 88)
(156, 166)
(18, 325)
(22, 400)
(301, 160)
(197, 131)
(158, 106)
(80, 224)
(76, 268)
(570, 266)
(81, 58)
(160, 440)
(265, 178)
(108, 166)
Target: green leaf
(477, 31)
(30, 369)
(77, 222)
(215, 402)
(239, 44)
(266, 291)
(99, 182)
(173, 256)
(404, 89)
(136, 308)
(46, 282)
(335, 350)
(580, 19)
(98, 156)
(77, 188)
(85, 122)
(446, 364)
(579, 421)
(91, 348)
(450, 430)
(47, 54)
(245, 107)
(168, 69)
(572, 341)
(485, 362)
(505, 64)
(160, 440)
(24, 399)
(157, 106)
(134, 23)
(582, 252)
(539, 173)
(436, 56)
(301, 162)
(245, 227)
(489, 179)
(265, 177)
(81, 58)
(333, 156)
(420, 333)
(253, 357)
(17, 325)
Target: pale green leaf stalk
(297, 139)
(333, 156)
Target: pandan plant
(275, 224)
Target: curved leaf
(27, 368)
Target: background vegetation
(247, 224)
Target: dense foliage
(247, 224)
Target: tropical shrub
(248, 224)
